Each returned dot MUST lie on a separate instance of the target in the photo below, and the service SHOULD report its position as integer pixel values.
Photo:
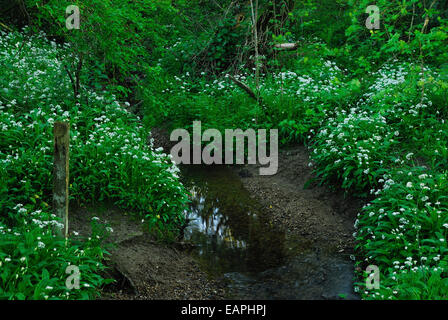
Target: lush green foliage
(120, 38)
(373, 113)
(403, 31)
(404, 231)
(33, 262)
(110, 159)
(370, 104)
(220, 103)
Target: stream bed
(234, 241)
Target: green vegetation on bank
(110, 159)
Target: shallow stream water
(234, 240)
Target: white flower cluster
(35, 92)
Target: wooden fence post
(61, 132)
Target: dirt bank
(318, 214)
(144, 268)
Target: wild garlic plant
(110, 159)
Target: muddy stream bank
(267, 236)
(248, 237)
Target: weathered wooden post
(61, 133)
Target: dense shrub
(404, 231)
(413, 28)
(354, 149)
(110, 159)
(120, 38)
(34, 263)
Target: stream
(234, 241)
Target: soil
(144, 268)
(322, 216)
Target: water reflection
(235, 241)
(226, 224)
